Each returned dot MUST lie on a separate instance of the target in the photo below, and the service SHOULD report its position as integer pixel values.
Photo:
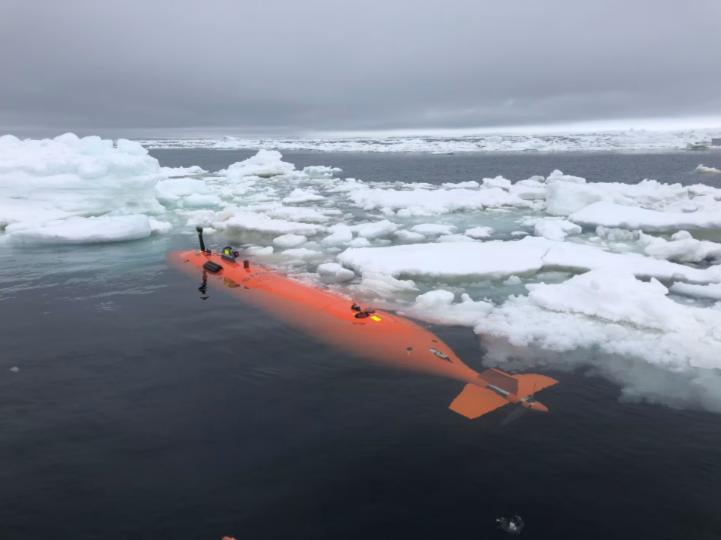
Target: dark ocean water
(142, 412)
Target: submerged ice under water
(548, 271)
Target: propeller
(521, 410)
(514, 415)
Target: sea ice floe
(632, 139)
(335, 272)
(428, 202)
(711, 291)
(299, 196)
(555, 229)
(378, 229)
(608, 214)
(52, 179)
(177, 172)
(263, 224)
(286, 241)
(681, 248)
(707, 170)
(383, 286)
(433, 229)
(479, 232)
(80, 230)
(499, 260)
(265, 164)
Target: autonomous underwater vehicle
(378, 335)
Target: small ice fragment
(479, 232)
(15, 369)
(513, 280)
(706, 170)
(289, 241)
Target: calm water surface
(141, 411)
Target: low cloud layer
(139, 68)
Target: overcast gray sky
(292, 67)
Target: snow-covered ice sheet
(614, 141)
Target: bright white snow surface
(589, 288)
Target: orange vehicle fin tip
(475, 401)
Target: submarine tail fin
(475, 401)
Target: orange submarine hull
(376, 334)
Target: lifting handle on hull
(199, 230)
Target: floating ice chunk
(264, 224)
(614, 296)
(707, 170)
(435, 202)
(614, 215)
(531, 190)
(341, 235)
(497, 182)
(384, 286)
(682, 248)
(617, 235)
(289, 241)
(196, 200)
(14, 369)
(259, 251)
(658, 349)
(301, 254)
(555, 229)
(462, 185)
(266, 164)
(712, 291)
(176, 172)
(335, 272)
(347, 185)
(299, 196)
(359, 243)
(513, 280)
(455, 238)
(570, 256)
(379, 229)
(473, 260)
(433, 229)
(519, 233)
(558, 176)
(170, 191)
(499, 260)
(160, 227)
(479, 232)
(563, 199)
(47, 180)
(438, 307)
(79, 230)
(407, 236)
(320, 171)
(307, 215)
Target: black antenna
(200, 237)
